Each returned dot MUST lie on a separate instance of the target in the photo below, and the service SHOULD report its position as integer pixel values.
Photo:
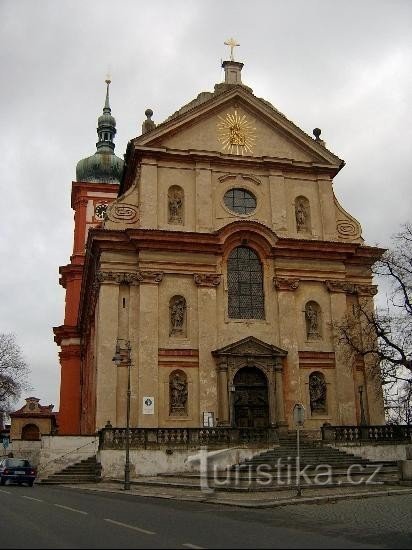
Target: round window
(240, 201)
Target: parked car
(18, 470)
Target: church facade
(217, 260)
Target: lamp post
(118, 359)
(232, 389)
(362, 410)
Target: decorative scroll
(126, 213)
(207, 279)
(317, 392)
(285, 283)
(178, 393)
(347, 227)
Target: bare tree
(383, 336)
(14, 372)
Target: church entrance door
(250, 399)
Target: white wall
(153, 462)
(59, 451)
(375, 451)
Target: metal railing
(156, 438)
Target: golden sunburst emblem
(236, 133)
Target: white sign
(148, 405)
(208, 419)
(299, 414)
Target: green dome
(104, 166)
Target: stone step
(85, 471)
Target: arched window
(177, 316)
(302, 215)
(175, 205)
(245, 285)
(178, 393)
(30, 432)
(317, 392)
(313, 320)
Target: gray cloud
(342, 66)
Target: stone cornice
(351, 288)
(118, 277)
(340, 286)
(285, 283)
(366, 290)
(129, 278)
(154, 277)
(207, 279)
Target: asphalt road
(59, 517)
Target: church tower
(96, 186)
(215, 277)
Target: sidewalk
(251, 499)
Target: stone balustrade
(371, 434)
(156, 438)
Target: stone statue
(178, 393)
(301, 216)
(175, 200)
(317, 391)
(312, 321)
(177, 316)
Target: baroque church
(214, 261)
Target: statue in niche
(175, 205)
(317, 392)
(178, 394)
(312, 321)
(301, 213)
(177, 316)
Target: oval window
(240, 201)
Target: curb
(205, 499)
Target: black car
(18, 470)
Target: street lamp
(232, 389)
(362, 410)
(118, 360)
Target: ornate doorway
(250, 399)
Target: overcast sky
(343, 66)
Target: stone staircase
(86, 471)
(276, 469)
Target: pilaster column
(223, 392)
(280, 405)
(373, 400)
(288, 340)
(345, 380)
(106, 337)
(148, 350)
(204, 207)
(207, 299)
(148, 190)
(278, 202)
(80, 225)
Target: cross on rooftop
(231, 42)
